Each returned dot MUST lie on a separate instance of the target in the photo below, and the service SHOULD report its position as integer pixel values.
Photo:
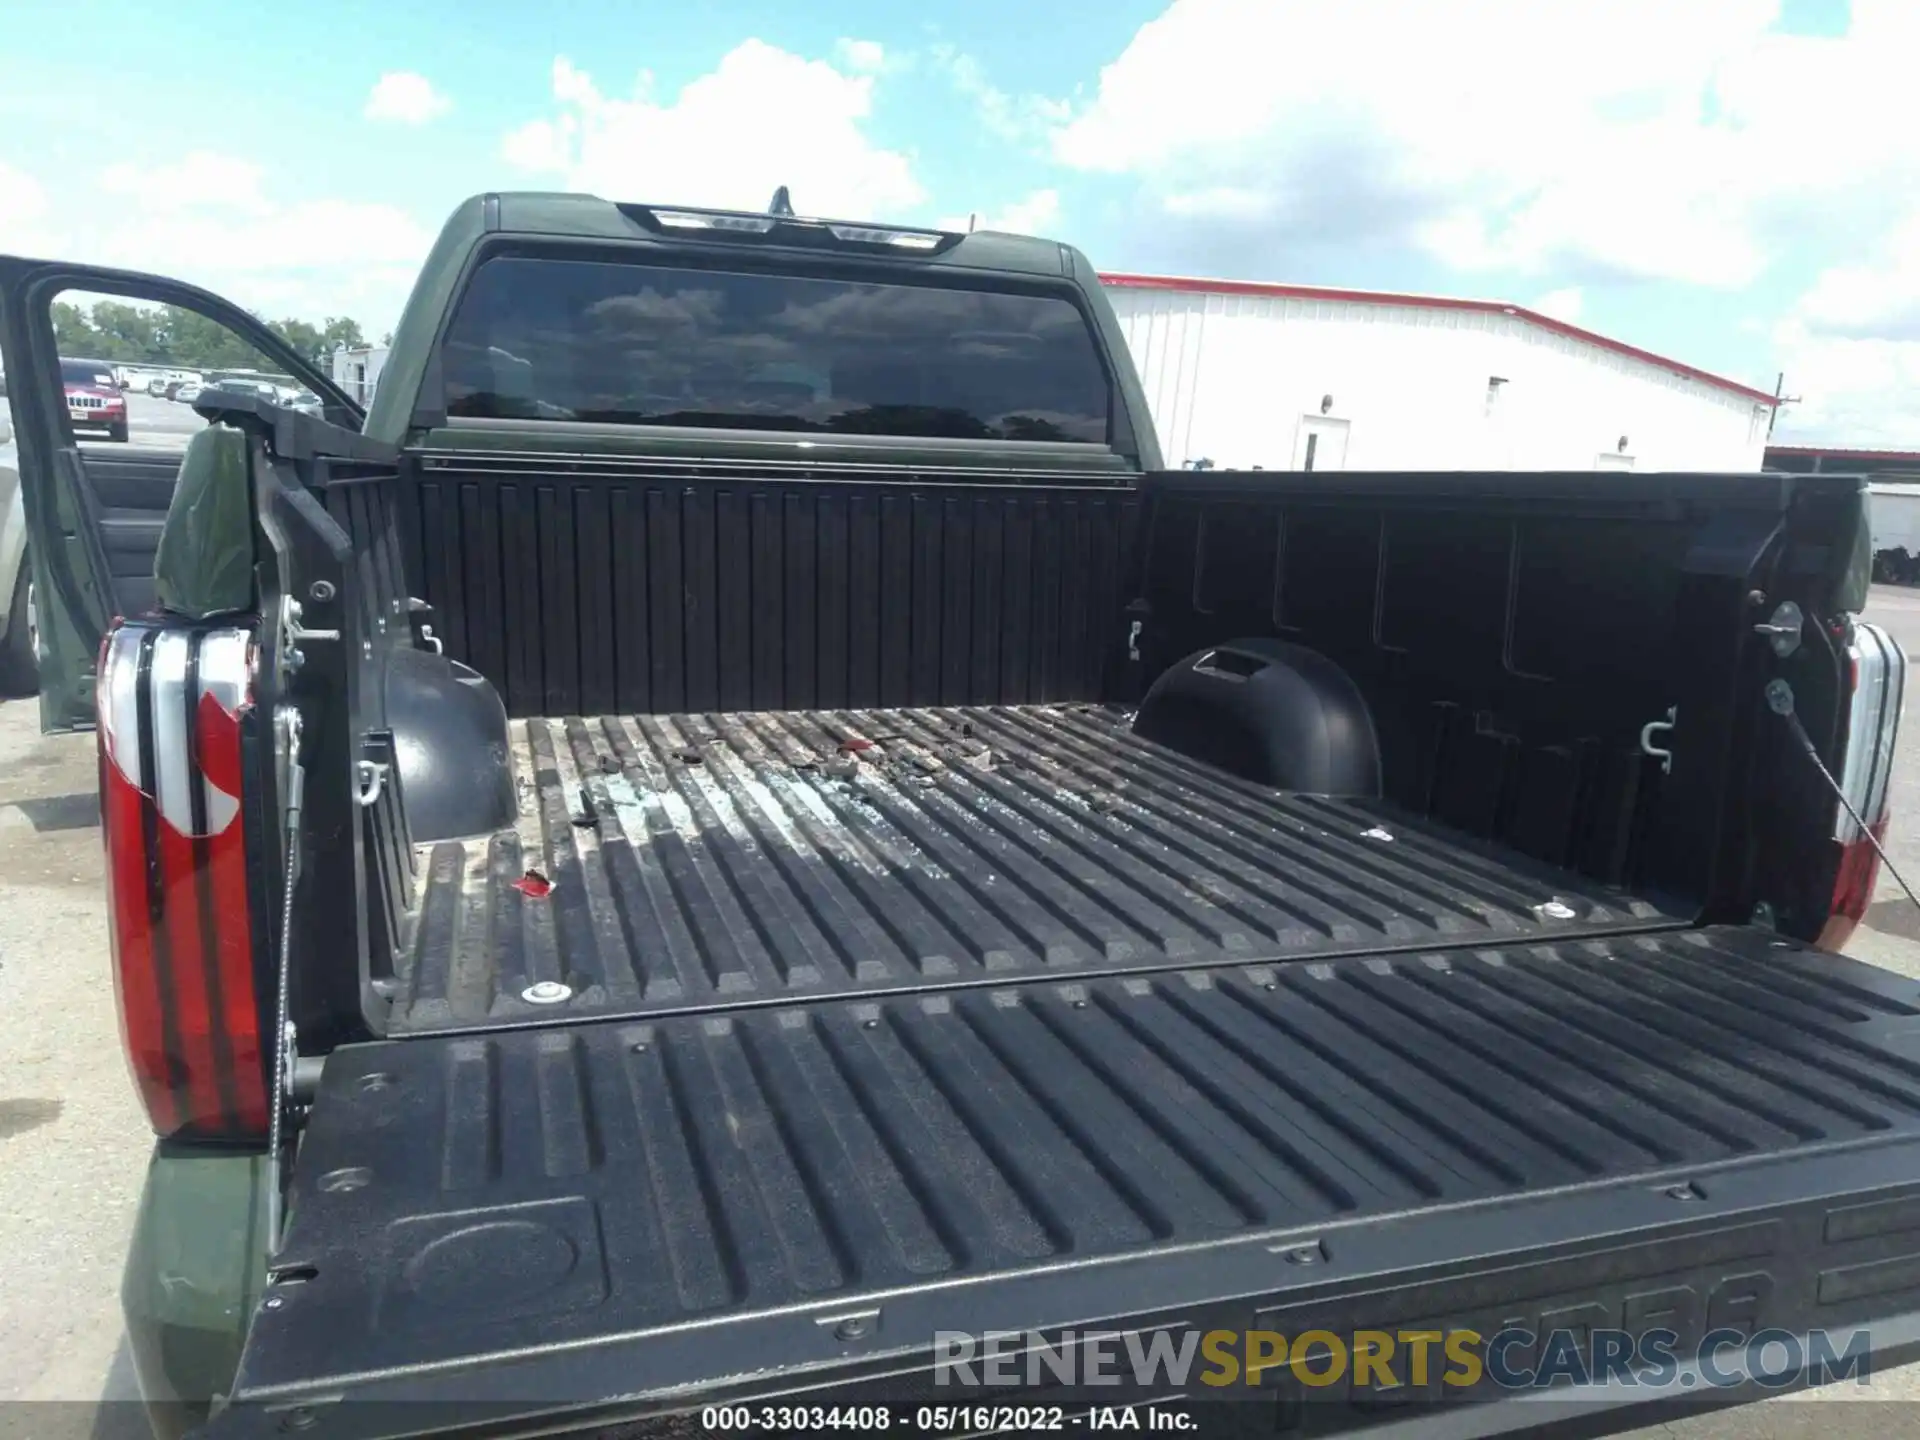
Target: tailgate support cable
(1780, 701)
(284, 1038)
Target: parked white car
(138, 377)
(170, 378)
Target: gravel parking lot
(73, 1143)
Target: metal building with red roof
(1242, 373)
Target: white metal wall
(1894, 513)
(356, 371)
(1239, 379)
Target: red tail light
(170, 702)
(1853, 886)
(1877, 677)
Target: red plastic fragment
(855, 746)
(535, 884)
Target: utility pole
(1779, 400)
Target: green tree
(339, 330)
(203, 344)
(118, 331)
(129, 332)
(304, 338)
(73, 333)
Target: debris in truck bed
(535, 884)
(780, 868)
(979, 757)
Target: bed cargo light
(170, 700)
(722, 224)
(699, 220)
(872, 235)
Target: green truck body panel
(390, 415)
(194, 1273)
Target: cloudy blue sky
(1735, 183)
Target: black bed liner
(766, 857)
(492, 1217)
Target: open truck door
(96, 495)
(161, 564)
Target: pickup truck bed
(767, 1042)
(769, 857)
(885, 1023)
(538, 1217)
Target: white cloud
(763, 118)
(23, 214)
(406, 98)
(1563, 304)
(200, 180)
(863, 57)
(1220, 202)
(1876, 296)
(1851, 348)
(1035, 214)
(1019, 118)
(1853, 391)
(211, 219)
(1597, 136)
(542, 144)
(21, 196)
(275, 241)
(308, 258)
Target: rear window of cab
(541, 339)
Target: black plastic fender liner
(450, 743)
(1269, 711)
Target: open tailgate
(635, 1217)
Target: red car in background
(94, 401)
